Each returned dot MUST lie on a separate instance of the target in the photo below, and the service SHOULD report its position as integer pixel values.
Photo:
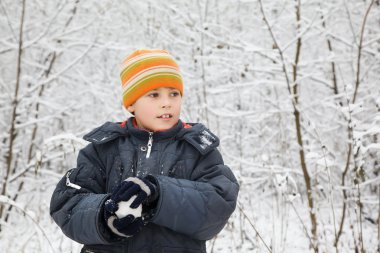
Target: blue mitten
(123, 209)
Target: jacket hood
(199, 137)
(105, 133)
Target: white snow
(236, 82)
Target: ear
(131, 109)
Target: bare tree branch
(12, 133)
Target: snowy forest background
(290, 86)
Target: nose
(165, 102)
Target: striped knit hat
(148, 69)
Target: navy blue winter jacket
(197, 192)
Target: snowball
(125, 209)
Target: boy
(152, 183)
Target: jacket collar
(196, 134)
(160, 135)
(110, 131)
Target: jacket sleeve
(78, 212)
(199, 207)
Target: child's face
(157, 110)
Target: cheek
(178, 110)
(139, 110)
(179, 105)
(145, 111)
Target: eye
(153, 95)
(175, 94)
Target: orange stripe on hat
(148, 69)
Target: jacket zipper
(150, 143)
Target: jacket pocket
(101, 249)
(87, 250)
(179, 250)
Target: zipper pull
(150, 143)
(69, 184)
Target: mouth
(165, 116)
